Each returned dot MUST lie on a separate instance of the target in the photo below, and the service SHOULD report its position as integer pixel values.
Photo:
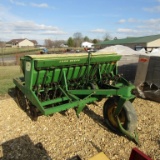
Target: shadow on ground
(97, 118)
(11, 92)
(22, 148)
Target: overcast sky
(60, 19)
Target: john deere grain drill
(56, 82)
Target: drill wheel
(21, 99)
(127, 116)
(25, 105)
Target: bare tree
(57, 43)
(107, 37)
(48, 43)
(77, 37)
(51, 43)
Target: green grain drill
(56, 82)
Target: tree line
(74, 41)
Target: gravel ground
(60, 137)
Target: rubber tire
(130, 123)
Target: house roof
(129, 40)
(20, 40)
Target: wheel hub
(113, 119)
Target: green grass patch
(9, 51)
(7, 73)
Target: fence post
(17, 59)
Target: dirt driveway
(60, 136)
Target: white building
(63, 45)
(19, 43)
(87, 45)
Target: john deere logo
(70, 60)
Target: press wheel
(32, 112)
(25, 105)
(127, 116)
(21, 99)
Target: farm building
(87, 45)
(147, 42)
(19, 43)
(64, 45)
